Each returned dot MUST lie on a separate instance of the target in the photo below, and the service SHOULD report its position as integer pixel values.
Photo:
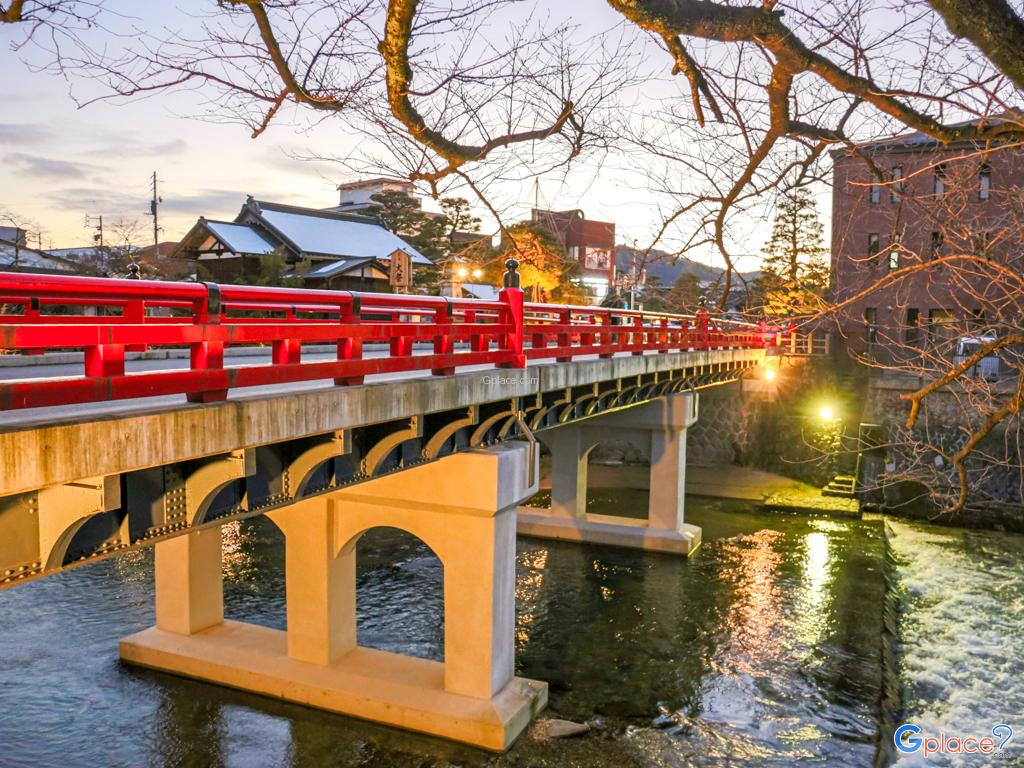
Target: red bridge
(413, 412)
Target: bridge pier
(463, 507)
(660, 426)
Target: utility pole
(153, 205)
(98, 237)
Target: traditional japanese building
(323, 248)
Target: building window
(913, 330)
(896, 188)
(936, 247)
(871, 325)
(894, 251)
(985, 182)
(983, 244)
(872, 243)
(874, 194)
(937, 320)
(940, 181)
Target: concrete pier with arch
(660, 427)
(463, 507)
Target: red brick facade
(935, 201)
(591, 243)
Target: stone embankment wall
(944, 422)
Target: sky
(62, 167)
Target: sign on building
(401, 269)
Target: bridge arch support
(660, 427)
(463, 507)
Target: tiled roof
(241, 238)
(325, 233)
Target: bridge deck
(46, 446)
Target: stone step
(839, 493)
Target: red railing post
(135, 312)
(512, 297)
(702, 321)
(104, 360)
(399, 346)
(443, 342)
(478, 342)
(607, 338)
(638, 322)
(207, 354)
(286, 351)
(564, 338)
(350, 347)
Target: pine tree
(794, 272)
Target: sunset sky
(59, 163)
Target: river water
(773, 645)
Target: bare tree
(759, 93)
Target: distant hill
(661, 266)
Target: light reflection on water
(763, 649)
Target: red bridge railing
(106, 318)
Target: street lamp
(769, 374)
(826, 413)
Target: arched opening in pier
(252, 552)
(399, 594)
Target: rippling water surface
(960, 600)
(763, 649)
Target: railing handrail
(210, 317)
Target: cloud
(97, 200)
(208, 202)
(127, 146)
(46, 167)
(23, 134)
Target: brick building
(591, 243)
(920, 201)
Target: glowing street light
(769, 374)
(478, 273)
(463, 272)
(826, 413)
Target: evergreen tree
(402, 214)
(458, 218)
(794, 272)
